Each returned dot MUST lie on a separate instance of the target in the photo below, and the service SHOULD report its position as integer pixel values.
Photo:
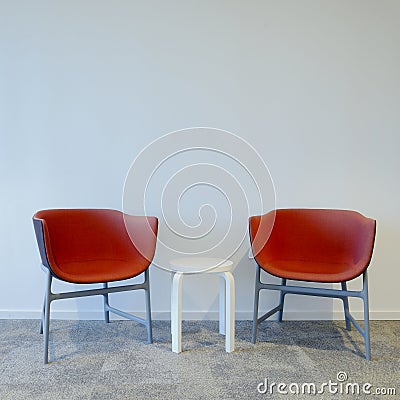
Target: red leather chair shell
(95, 245)
(314, 245)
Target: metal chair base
(50, 296)
(343, 294)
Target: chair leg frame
(342, 294)
(105, 291)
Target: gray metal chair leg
(148, 308)
(47, 319)
(106, 305)
(281, 301)
(256, 301)
(343, 294)
(346, 307)
(42, 316)
(366, 317)
(49, 297)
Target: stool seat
(203, 265)
(195, 265)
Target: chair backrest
(76, 235)
(315, 235)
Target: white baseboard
(199, 315)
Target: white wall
(85, 85)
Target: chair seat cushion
(95, 245)
(316, 245)
(311, 271)
(98, 271)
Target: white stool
(203, 265)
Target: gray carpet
(92, 360)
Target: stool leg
(176, 312)
(222, 306)
(230, 312)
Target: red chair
(84, 246)
(313, 245)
